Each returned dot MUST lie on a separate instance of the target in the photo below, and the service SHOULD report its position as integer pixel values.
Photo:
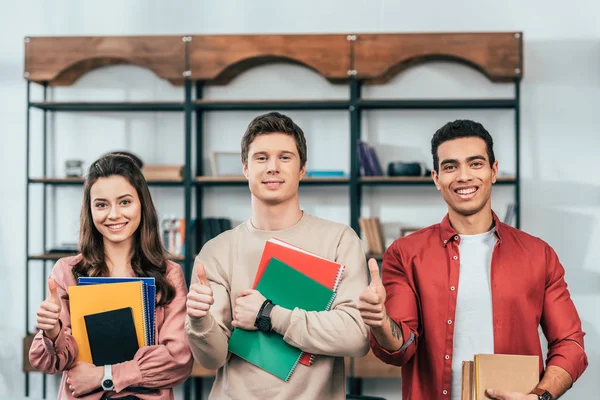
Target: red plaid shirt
(420, 275)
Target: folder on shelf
(149, 298)
(93, 299)
(288, 288)
(328, 273)
(504, 372)
(112, 336)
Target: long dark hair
(149, 256)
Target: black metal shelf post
(27, 129)
(518, 153)
(198, 380)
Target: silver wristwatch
(107, 381)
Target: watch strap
(266, 312)
(542, 394)
(108, 376)
(260, 311)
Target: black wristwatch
(542, 394)
(263, 319)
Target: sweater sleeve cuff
(56, 346)
(281, 319)
(126, 374)
(199, 326)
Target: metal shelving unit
(193, 109)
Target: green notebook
(287, 288)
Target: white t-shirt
(473, 329)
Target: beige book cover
(467, 380)
(507, 373)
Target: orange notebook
(328, 273)
(92, 299)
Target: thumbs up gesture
(371, 301)
(200, 296)
(49, 312)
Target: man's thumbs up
(371, 302)
(374, 272)
(200, 296)
(201, 273)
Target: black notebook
(112, 336)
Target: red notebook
(328, 273)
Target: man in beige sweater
(220, 297)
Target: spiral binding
(338, 278)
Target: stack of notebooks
(503, 372)
(111, 318)
(291, 278)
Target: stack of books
(368, 160)
(503, 372)
(290, 277)
(111, 318)
(157, 172)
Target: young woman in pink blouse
(119, 237)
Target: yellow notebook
(92, 299)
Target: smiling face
(116, 209)
(465, 175)
(273, 169)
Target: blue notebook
(149, 298)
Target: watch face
(107, 383)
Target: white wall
(561, 192)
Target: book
(467, 392)
(504, 372)
(91, 299)
(149, 298)
(288, 288)
(112, 336)
(328, 273)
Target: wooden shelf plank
(240, 180)
(431, 104)
(415, 180)
(108, 106)
(79, 181)
(63, 60)
(250, 105)
(56, 256)
(217, 59)
(498, 55)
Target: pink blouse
(159, 367)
